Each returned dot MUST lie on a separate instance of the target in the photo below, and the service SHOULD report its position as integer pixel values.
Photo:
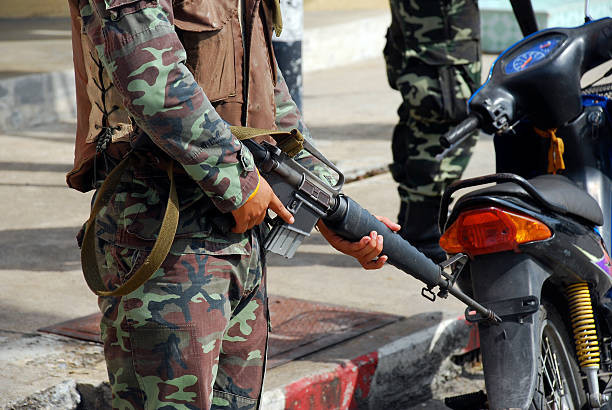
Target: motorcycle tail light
(489, 230)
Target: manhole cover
(299, 327)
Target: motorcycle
(538, 239)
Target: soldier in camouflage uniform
(433, 59)
(194, 335)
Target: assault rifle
(309, 199)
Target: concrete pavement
(36, 62)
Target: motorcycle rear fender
(511, 349)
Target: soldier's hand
(254, 210)
(366, 250)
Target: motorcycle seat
(557, 189)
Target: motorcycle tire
(562, 389)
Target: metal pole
(525, 16)
(587, 16)
(288, 47)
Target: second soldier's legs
(433, 59)
(422, 181)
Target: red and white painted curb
(376, 379)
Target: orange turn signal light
(489, 230)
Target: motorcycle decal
(604, 263)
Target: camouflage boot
(419, 221)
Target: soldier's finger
(277, 206)
(390, 224)
(354, 248)
(368, 248)
(375, 264)
(240, 227)
(375, 251)
(242, 217)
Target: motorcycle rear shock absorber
(585, 337)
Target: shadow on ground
(376, 131)
(55, 249)
(34, 167)
(41, 249)
(51, 28)
(21, 321)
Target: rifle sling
(160, 250)
(291, 142)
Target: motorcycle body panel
(536, 84)
(501, 277)
(573, 254)
(588, 150)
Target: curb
(396, 375)
(66, 395)
(36, 99)
(333, 45)
(63, 395)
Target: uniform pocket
(121, 263)
(205, 29)
(211, 59)
(203, 15)
(167, 357)
(435, 93)
(120, 8)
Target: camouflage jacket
(435, 33)
(137, 45)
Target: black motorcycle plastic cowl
(510, 350)
(534, 91)
(507, 309)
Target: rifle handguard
(353, 222)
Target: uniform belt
(158, 160)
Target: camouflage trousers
(433, 59)
(419, 175)
(193, 336)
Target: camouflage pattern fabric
(136, 42)
(433, 59)
(193, 336)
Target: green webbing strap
(277, 17)
(290, 142)
(160, 250)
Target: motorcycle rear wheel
(559, 385)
